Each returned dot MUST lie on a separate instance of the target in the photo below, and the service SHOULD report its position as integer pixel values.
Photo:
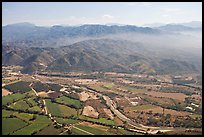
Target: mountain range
(97, 48)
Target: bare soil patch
(109, 113)
(86, 81)
(87, 96)
(5, 92)
(43, 94)
(90, 112)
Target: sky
(75, 13)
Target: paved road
(137, 127)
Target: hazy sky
(72, 13)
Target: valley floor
(100, 103)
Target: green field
(23, 116)
(66, 121)
(38, 86)
(19, 105)
(59, 110)
(107, 86)
(35, 109)
(11, 98)
(39, 123)
(20, 86)
(133, 89)
(6, 113)
(99, 120)
(78, 132)
(92, 130)
(50, 130)
(9, 125)
(31, 101)
(68, 101)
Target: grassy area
(78, 132)
(35, 109)
(23, 116)
(92, 130)
(31, 101)
(100, 120)
(133, 89)
(39, 123)
(66, 121)
(59, 110)
(107, 86)
(50, 130)
(11, 124)
(20, 105)
(30, 94)
(6, 113)
(68, 101)
(11, 98)
(20, 86)
(53, 108)
(67, 111)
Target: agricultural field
(19, 105)
(12, 98)
(50, 130)
(20, 86)
(39, 123)
(6, 113)
(178, 96)
(84, 109)
(92, 130)
(99, 120)
(69, 101)
(10, 125)
(60, 110)
(39, 86)
(24, 116)
(67, 121)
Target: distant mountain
(192, 24)
(95, 55)
(116, 48)
(176, 27)
(24, 33)
(152, 25)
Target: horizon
(79, 13)
(107, 24)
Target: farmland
(11, 125)
(11, 98)
(60, 110)
(81, 109)
(178, 96)
(20, 86)
(68, 101)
